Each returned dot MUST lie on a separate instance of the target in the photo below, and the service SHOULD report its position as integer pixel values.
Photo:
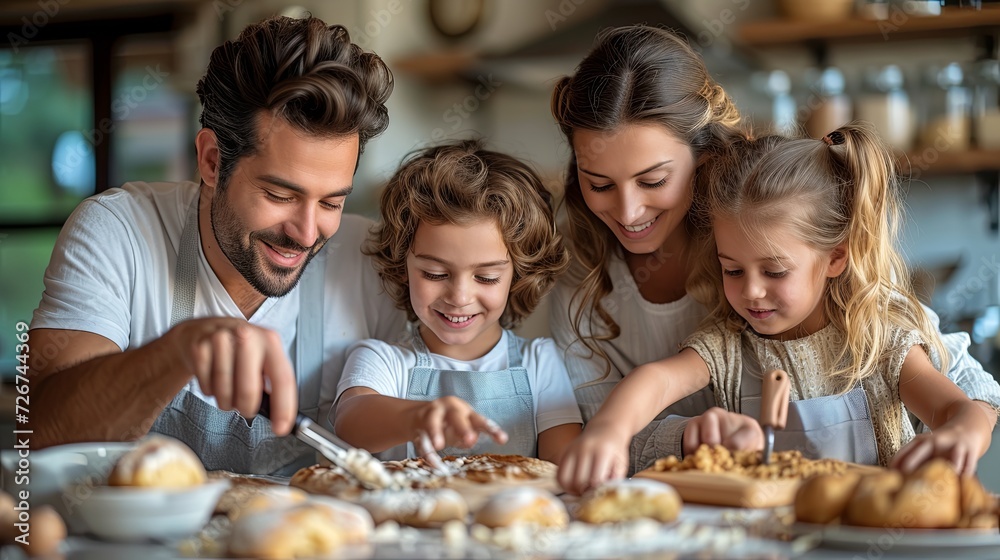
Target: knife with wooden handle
(773, 407)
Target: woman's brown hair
(634, 75)
(302, 70)
(462, 183)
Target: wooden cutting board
(733, 490)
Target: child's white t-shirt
(385, 368)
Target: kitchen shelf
(899, 25)
(931, 162)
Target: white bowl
(123, 513)
(52, 471)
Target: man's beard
(240, 247)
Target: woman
(641, 115)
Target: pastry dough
(624, 500)
(158, 461)
(525, 505)
(317, 527)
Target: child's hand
(718, 426)
(450, 421)
(598, 455)
(962, 450)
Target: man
(116, 348)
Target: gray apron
(836, 427)
(502, 396)
(225, 440)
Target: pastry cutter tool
(773, 408)
(364, 468)
(335, 449)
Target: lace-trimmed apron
(835, 427)
(503, 396)
(223, 439)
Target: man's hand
(234, 362)
(717, 426)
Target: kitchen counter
(701, 531)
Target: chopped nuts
(718, 459)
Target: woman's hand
(598, 455)
(451, 422)
(718, 426)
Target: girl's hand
(450, 421)
(961, 450)
(718, 426)
(598, 455)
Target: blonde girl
(802, 273)
(641, 114)
(467, 247)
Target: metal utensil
(773, 407)
(358, 463)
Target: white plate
(53, 470)
(901, 540)
(139, 514)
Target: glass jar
(946, 119)
(886, 105)
(777, 87)
(986, 105)
(829, 107)
(873, 9)
(918, 8)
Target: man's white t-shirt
(112, 274)
(385, 368)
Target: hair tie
(834, 138)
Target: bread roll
(313, 528)
(416, 508)
(523, 505)
(929, 498)
(158, 461)
(628, 499)
(823, 498)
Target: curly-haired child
(467, 246)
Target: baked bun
(980, 509)
(317, 527)
(416, 508)
(929, 498)
(524, 505)
(823, 498)
(158, 461)
(627, 499)
(263, 499)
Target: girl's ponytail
(877, 280)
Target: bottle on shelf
(886, 105)
(946, 123)
(777, 87)
(828, 104)
(986, 105)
